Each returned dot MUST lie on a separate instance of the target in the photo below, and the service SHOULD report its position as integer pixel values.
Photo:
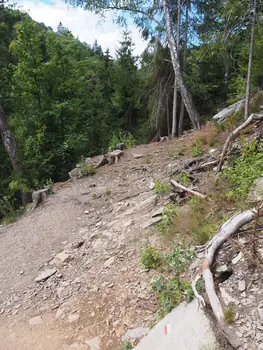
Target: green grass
(150, 257)
(161, 188)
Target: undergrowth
(150, 257)
(197, 149)
(126, 345)
(169, 213)
(119, 138)
(161, 188)
(173, 290)
(243, 170)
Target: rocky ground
(70, 271)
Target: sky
(83, 24)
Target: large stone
(93, 343)
(109, 262)
(137, 333)
(185, 328)
(64, 257)
(260, 311)
(35, 321)
(241, 286)
(45, 274)
(256, 191)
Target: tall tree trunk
(186, 96)
(168, 115)
(10, 145)
(249, 70)
(181, 120)
(174, 123)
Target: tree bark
(10, 145)
(186, 96)
(168, 115)
(174, 123)
(249, 70)
(181, 120)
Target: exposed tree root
(186, 189)
(228, 229)
(234, 133)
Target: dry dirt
(101, 290)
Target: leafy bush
(171, 293)
(179, 257)
(244, 170)
(197, 149)
(167, 218)
(119, 138)
(229, 314)
(161, 188)
(184, 178)
(126, 345)
(204, 232)
(87, 169)
(150, 257)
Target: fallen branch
(228, 229)
(109, 158)
(203, 166)
(227, 112)
(234, 133)
(186, 189)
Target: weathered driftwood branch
(38, 197)
(110, 158)
(186, 189)
(234, 133)
(228, 229)
(227, 112)
(203, 166)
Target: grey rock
(64, 257)
(35, 321)
(137, 333)
(260, 347)
(45, 274)
(256, 191)
(137, 156)
(93, 343)
(260, 311)
(241, 286)
(73, 317)
(237, 258)
(109, 262)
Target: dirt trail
(100, 291)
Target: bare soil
(93, 299)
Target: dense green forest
(63, 99)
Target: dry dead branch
(252, 117)
(186, 189)
(228, 229)
(109, 158)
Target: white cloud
(87, 26)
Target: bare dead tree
(249, 70)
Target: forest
(62, 99)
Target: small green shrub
(243, 170)
(171, 293)
(179, 257)
(126, 345)
(184, 178)
(119, 138)
(161, 188)
(87, 169)
(168, 215)
(229, 314)
(108, 192)
(150, 257)
(197, 149)
(204, 232)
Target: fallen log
(186, 189)
(110, 158)
(228, 111)
(250, 119)
(228, 229)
